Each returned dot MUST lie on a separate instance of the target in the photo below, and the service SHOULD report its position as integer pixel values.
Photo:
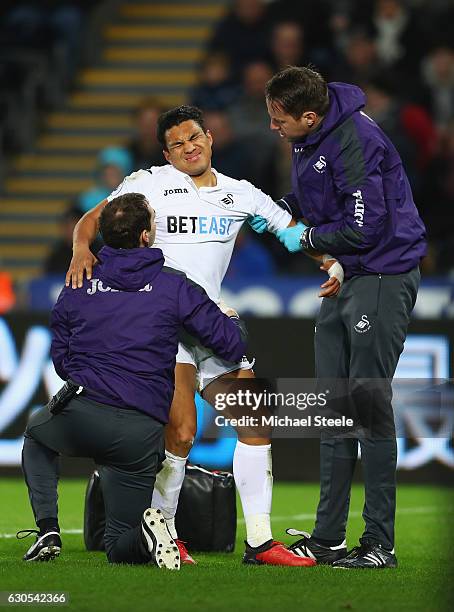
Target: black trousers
(359, 338)
(127, 445)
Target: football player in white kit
(199, 213)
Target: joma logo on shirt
(174, 191)
(96, 285)
(359, 208)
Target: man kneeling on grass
(115, 344)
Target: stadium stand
(146, 48)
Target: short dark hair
(175, 116)
(298, 90)
(123, 220)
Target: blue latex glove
(258, 223)
(290, 237)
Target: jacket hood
(344, 101)
(129, 269)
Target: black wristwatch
(304, 240)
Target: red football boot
(185, 557)
(275, 553)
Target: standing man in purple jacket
(354, 201)
(116, 341)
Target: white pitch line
(67, 531)
(354, 513)
(292, 517)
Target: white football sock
(252, 469)
(167, 488)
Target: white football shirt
(196, 228)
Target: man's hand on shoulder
(82, 261)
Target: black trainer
(307, 547)
(47, 545)
(369, 555)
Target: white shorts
(208, 366)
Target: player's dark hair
(174, 117)
(123, 220)
(298, 90)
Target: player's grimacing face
(188, 148)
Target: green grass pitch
(423, 580)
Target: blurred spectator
(59, 258)
(249, 115)
(360, 62)
(339, 23)
(243, 33)
(113, 164)
(54, 26)
(313, 16)
(40, 45)
(420, 127)
(438, 74)
(229, 153)
(251, 258)
(144, 147)
(287, 46)
(40, 22)
(216, 90)
(7, 296)
(409, 126)
(399, 39)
